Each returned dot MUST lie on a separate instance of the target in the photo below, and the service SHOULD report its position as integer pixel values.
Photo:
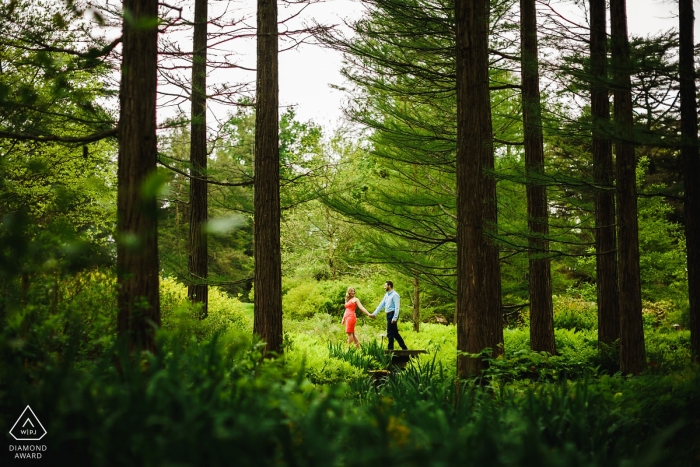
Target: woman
(349, 318)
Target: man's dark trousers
(392, 332)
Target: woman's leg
(350, 338)
(357, 343)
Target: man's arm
(379, 307)
(397, 302)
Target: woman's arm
(359, 305)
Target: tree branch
(100, 135)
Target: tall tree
(267, 321)
(541, 311)
(691, 159)
(605, 236)
(416, 304)
(632, 352)
(137, 240)
(479, 319)
(198, 290)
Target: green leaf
(224, 225)
(156, 184)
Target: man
(390, 303)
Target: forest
(177, 246)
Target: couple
(390, 303)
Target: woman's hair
(347, 293)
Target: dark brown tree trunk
(541, 312)
(479, 317)
(268, 270)
(632, 353)
(605, 236)
(691, 158)
(137, 232)
(198, 290)
(416, 304)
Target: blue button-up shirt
(390, 302)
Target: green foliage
(662, 261)
(575, 313)
(209, 395)
(54, 73)
(368, 357)
(306, 298)
(179, 314)
(84, 303)
(208, 403)
(310, 351)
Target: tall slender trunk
(267, 321)
(137, 231)
(632, 353)
(416, 304)
(198, 291)
(541, 312)
(479, 317)
(691, 159)
(416, 283)
(605, 236)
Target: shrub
(307, 298)
(429, 314)
(574, 313)
(177, 313)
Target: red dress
(350, 317)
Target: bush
(574, 313)
(84, 302)
(177, 313)
(429, 314)
(307, 298)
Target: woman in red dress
(349, 318)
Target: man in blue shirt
(390, 303)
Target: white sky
(307, 72)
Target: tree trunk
(198, 290)
(137, 233)
(605, 236)
(691, 158)
(479, 317)
(541, 312)
(632, 353)
(268, 270)
(416, 304)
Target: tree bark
(691, 159)
(268, 270)
(197, 290)
(137, 239)
(632, 352)
(478, 316)
(416, 304)
(541, 312)
(605, 236)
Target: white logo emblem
(28, 427)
